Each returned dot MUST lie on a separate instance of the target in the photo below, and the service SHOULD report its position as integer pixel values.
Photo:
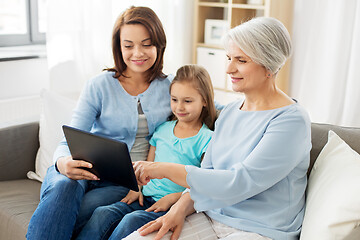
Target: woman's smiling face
(246, 75)
(138, 52)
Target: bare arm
(151, 154)
(165, 202)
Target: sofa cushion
(18, 201)
(333, 193)
(319, 137)
(56, 111)
(18, 147)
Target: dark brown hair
(200, 79)
(148, 18)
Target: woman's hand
(145, 171)
(173, 221)
(132, 196)
(164, 203)
(71, 168)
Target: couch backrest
(319, 136)
(18, 147)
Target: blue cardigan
(253, 176)
(105, 108)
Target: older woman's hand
(145, 171)
(173, 221)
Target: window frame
(32, 35)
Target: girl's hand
(173, 221)
(164, 203)
(132, 196)
(72, 169)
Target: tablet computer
(110, 158)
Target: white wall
(21, 82)
(23, 77)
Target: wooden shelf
(213, 4)
(247, 6)
(237, 12)
(209, 46)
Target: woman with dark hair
(126, 102)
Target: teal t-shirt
(169, 148)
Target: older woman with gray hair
(252, 180)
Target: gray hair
(264, 39)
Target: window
(22, 22)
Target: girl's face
(246, 75)
(138, 53)
(186, 102)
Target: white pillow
(56, 111)
(333, 193)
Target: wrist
(178, 209)
(172, 171)
(175, 197)
(160, 170)
(185, 205)
(58, 165)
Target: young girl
(182, 140)
(127, 102)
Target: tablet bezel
(110, 158)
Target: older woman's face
(246, 75)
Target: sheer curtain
(325, 75)
(79, 37)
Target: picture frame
(255, 2)
(215, 30)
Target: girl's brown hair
(200, 79)
(148, 18)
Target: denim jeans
(66, 205)
(118, 220)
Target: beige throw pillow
(56, 111)
(333, 193)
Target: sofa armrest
(18, 147)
